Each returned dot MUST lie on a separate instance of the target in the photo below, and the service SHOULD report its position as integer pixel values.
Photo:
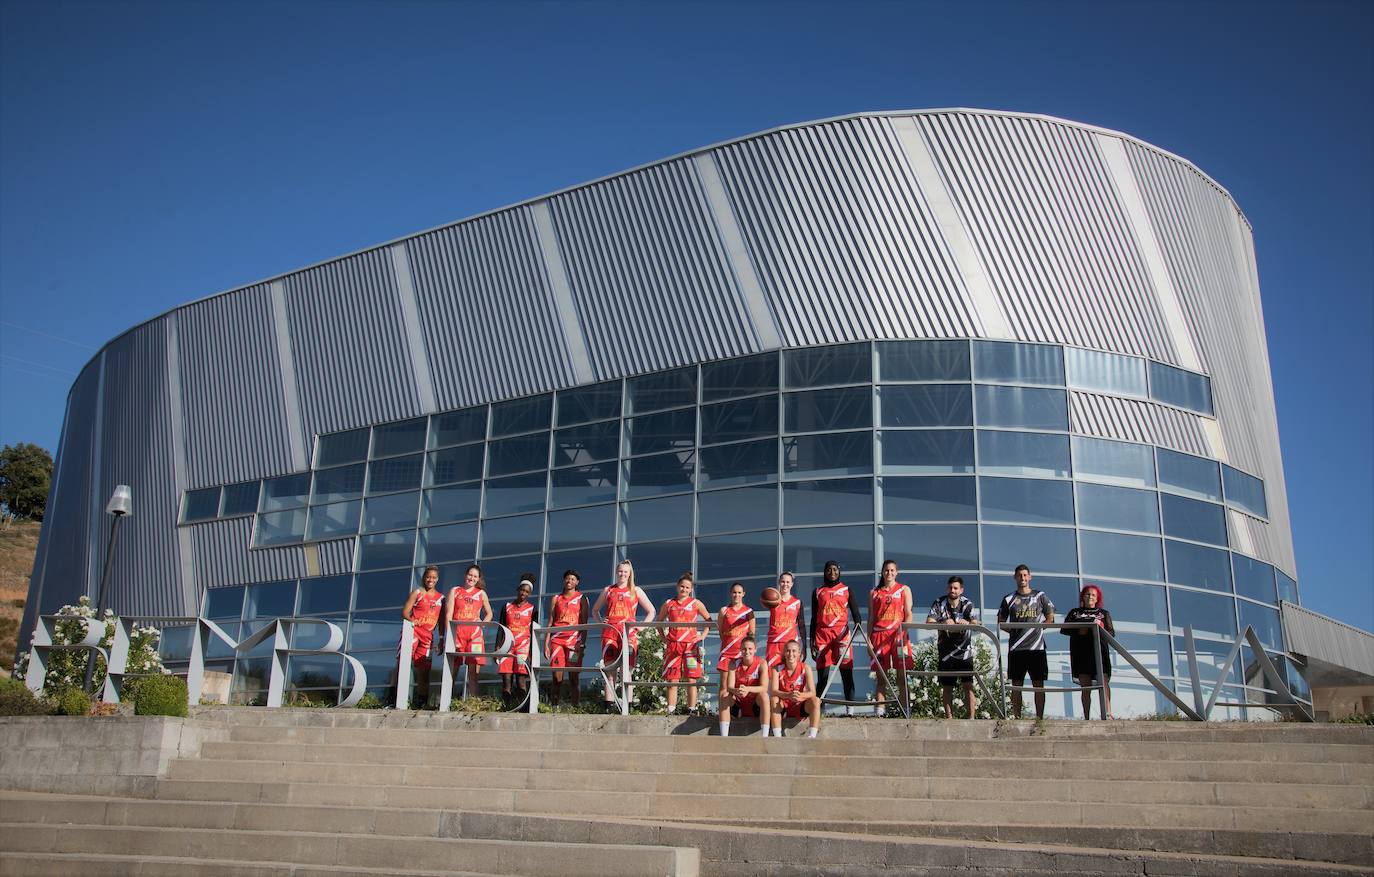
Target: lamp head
(121, 501)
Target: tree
(25, 472)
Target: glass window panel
(325, 594)
(585, 485)
(1209, 614)
(1023, 453)
(665, 473)
(1265, 621)
(927, 405)
(1043, 549)
(404, 437)
(240, 499)
(315, 636)
(659, 563)
(846, 453)
(743, 376)
(175, 644)
(382, 550)
(310, 671)
(1123, 463)
(932, 546)
(456, 503)
(342, 447)
(721, 511)
(1189, 475)
(1118, 508)
(666, 431)
(518, 535)
(594, 525)
(1191, 519)
(923, 360)
(1024, 407)
(1182, 388)
(1105, 372)
(380, 590)
(223, 604)
(391, 512)
(737, 556)
(740, 419)
(1197, 566)
(456, 464)
(1126, 557)
(518, 454)
(458, 427)
(1254, 578)
(1134, 608)
(926, 588)
(503, 576)
(929, 499)
(666, 389)
(927, 451)
(250, 677)
(342, 482)
(201, 505)
(397, 473)
(1016, 363)
(333, 521)
(279, 528)
(743, 463)
(374, 630)
(270, 600)
(824, 410)
(834, 501)
(596, 402)
(286, 491)
(1026, 501)
(521, 415)
(821, 366)
(808, 548)
(656, 519)
(580, 445)
(594, 567)
(1288, 588)
(450, 543)
(1242, 491)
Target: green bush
(1355, 719)
(17, 700)
(370, 701)
(71, 702)
(160, 696)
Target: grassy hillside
(18, 543)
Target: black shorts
(955, 664)
(1023, 661)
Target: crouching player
(746, 688)
(794, 692)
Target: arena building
(959, 339)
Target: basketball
(770, 597)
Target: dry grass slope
(18, 544)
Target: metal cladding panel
(336, 557)
(1209, 254)
(1136, 420)
(231, 395)
(844, 244)
(1252, 536)
(1048, 226)
(486, 311)
(649, 276)
(348, 344)
(1326, 639)
(222, 557)
(137, 449)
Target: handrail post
(1194, 677)
(1101, 679)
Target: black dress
(1081, 660)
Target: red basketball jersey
(567, 610)
(467, 603)
(621, 604)
(833, 602)
(782, 621)
(794, 681)
(750, 675)
(887, 607)
(735, 623)
(679, 610)
(518, 618)
(425, 612)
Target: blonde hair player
(794, 691)
(619, 604)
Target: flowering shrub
(68, 669)
(926, 697)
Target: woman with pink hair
(1082, 661)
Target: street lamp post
(121, 505)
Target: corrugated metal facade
(910, 225)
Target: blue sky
(153, 153)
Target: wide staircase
(347, 792)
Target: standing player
(1026, 648)
(734, 622)
(565, 648)
(518, 616)
(794, 691)
(468, 602)
(682, 645)
(889, 608)
(786, 621)
(955, 648)
(832, 605)
(422, 610)
(1082, 661)
(618, 605)
(746, 688)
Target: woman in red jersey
(565, 648)
(889, 607)
(682, 645)
(422, 610)
(468, 602)
(618, 606)
(786, 621)
(794, 691)
(518, 616)
(746, 688)
(734, 622)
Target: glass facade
(951, 457)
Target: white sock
(725, 729)
(810, 732)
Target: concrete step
(93, 865)
(787, 763)
(700, 781)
